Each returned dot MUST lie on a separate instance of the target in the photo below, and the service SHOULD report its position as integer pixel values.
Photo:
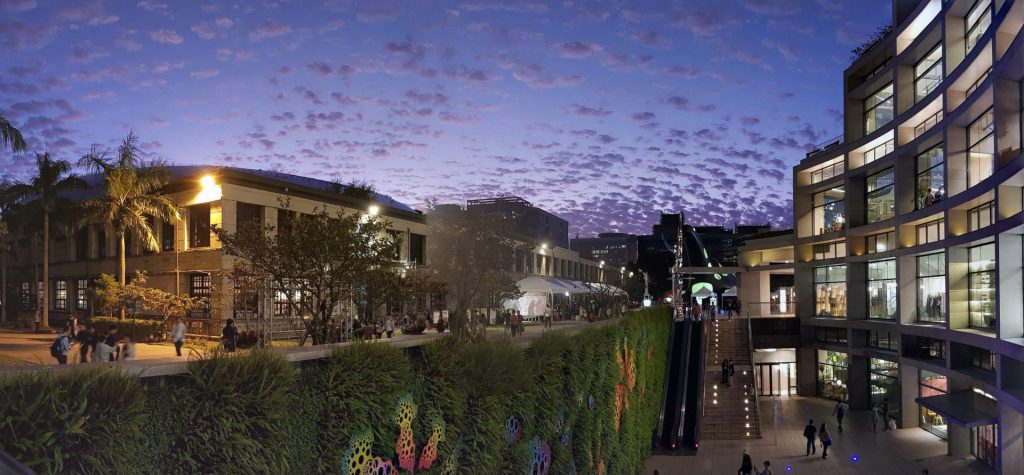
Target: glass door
(776, 379)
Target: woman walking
(826, 440)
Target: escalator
(678, 426)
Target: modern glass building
(908, 246)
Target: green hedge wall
(583, 404)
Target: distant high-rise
(528, 221)
(616, 249)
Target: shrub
(138, 328)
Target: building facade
(908, 242)
(189, 259)
(615, 249)
(528, 222)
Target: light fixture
(207, 181)
(374, 210)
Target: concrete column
(1011, 439)
(806, 371)
(1008, 270)
(959, 441)
(858, 383)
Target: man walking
(61, 346)
(747, 465)
(876, 416)
(389, 326)
(177, 335)
(885, 414)
(840, 412)
(85, 341)
(809, 432)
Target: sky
(605, 113)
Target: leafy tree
(45, 195)
(319, 261)
(111, 295)
(10, 136)
(131, 198)
(473, 256)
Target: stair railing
(754, 389)
(700, 384)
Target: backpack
(55, 348)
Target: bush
(139, 329)
(258, 414)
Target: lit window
(928, 73)
(878, 109)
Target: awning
(963, 408)
(606, 288)
(730, 292)
(551, 285)
(703, 292)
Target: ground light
(854, 458)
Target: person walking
(746, 466)
(38, 320)
(84, 338)
(389, 326)
(885, 414)
(767, 469)
(876, 416)
(732, 370)
(809, 433)
(229, 336)
(826, 440)
(840, 412)
(61, 346)
(106, 346)
(725, 371)
(127, 349)
(72, 326)
(177, 335)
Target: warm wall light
(210, 191)
(374, 210)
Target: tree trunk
(121, 272)
(46, 271)
(4, 302)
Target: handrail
(700, 384)
(754, 389)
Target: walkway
(730, 412)
(857, 450)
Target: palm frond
(9, 135)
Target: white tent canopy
(730, 292)
(703, 292)
(551, 285)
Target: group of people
(514, 322)
(813, 434)
(375, 330)
(728, 370)
(93, 345)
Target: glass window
(200, 286)
(981, 283)
(830, 291)
(167, 236)
(884, 340)
(985, 444)
(829, 213)
(82, 294)
(833, 375)
(977, 21)
(931, 177)
(882, 289)
(60, 295)
(981, 217)
(981, 148)
(982, 358)
(826, 172)
(927, 124)
(880, 242)
(928, 73)
(881, 200)
(417, 248)
(248, 215)
(931, 288)
(933, 384)
(885, 386)
(26, 296)
(879, 151)
(931, 231)
(878, 109)
(82, 244)
(830, 335)
(199, 225)
(829, 250)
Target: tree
(45, 195)
(474, 257)
(10, 136)
(131, 199)
(7, 203)
(317, 262)
(112, 295)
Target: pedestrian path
(730, 411)
(858, 450)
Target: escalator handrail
(700, 385)
(754, 388)
(668, 380)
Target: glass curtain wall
(985, 444)
(928, 73)
(885, 385)
(833, 375)
(933, 384)
(878, 109)
(977, 21)
(981, 148)
(829, 213)
(881, 199)
(981, 283)
(931, 177)
(830, 291)
(931, 288)
(882, 289)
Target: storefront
(833, 375)
(775, 370)
(933, 384)
(885, 386)
(970, 409)
(830, 291)
(985, 444)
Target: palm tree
(7, 204)
(131, 196)
(45, 197)
(11, 136)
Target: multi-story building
(616, 249)
(528, 222)
(909, 230)
(189, 259)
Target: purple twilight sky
(606, 113)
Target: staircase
(730, 413)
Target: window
(924, 348)
(884, 340)
(167, 236)
(829, 211)
(981, 284)
(417, 248)
(981, 216)
(928, 73)
(880, 242)
(829, 250)
(985, 444)
(60, 294)
(981, 148)
(931, 231)
(927, 124)
(248, 215)
(931, 288)
(884, 380)
(878, 109)
(833, 375)
(82, 244)
(931, 178)
(830, 335)
(882, 289)
(26, 296)
(933, 384)
(199, 285)
(982, 358)
(881, 201)
(879, 151)
(827, 172)
(977, 82)
(199, 225)
(285, 217)
(830, 291)
(977, 21)
(82, 294)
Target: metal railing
(770, 309)
(700, 384)
(821, 147)
(754, 391)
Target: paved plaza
(857, 450)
